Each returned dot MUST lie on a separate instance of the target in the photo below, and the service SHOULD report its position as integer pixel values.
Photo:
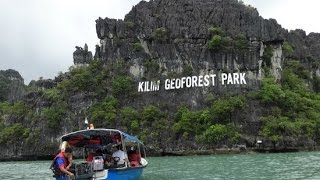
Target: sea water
(302, 165)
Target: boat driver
(120, 156)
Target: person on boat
(117, 139)
(63, 147)
(61, 163)
(107, 156)
(109, 161)
(134, 157)
(92, 155)
(123, 157)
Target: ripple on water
(304, 165)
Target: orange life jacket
(56, 170)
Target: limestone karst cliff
(12, 86)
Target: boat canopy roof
(98, 137)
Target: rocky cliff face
(191, 19)
(158, 40)
(184, 27)
(82, 55)
(11, 85)
(175, 35)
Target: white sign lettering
(193, 81)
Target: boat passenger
(118, 139)
(90, 157)
(134, 157)
(108, 161)
(93, 154)
(123, 157)
(61, 163)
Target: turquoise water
(302, 165)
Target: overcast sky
(38, 36)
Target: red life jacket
(66, 161)
(134, 159)
(90, 157)
(60, 155)
(55, 168)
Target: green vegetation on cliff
(211, 125)
(221, 41)
(291, 109)
(294, 108)
(14, 132)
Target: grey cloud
(38, 37)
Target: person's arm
(70, 163)
(62, 169)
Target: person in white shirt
(123, 157)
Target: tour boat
(105, 140)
